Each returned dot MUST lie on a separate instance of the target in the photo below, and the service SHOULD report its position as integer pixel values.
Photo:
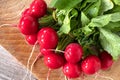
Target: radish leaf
(117, 2)
(64, 4)
(110, 42)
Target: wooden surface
(14, 42)
(10, 68)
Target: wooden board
(14, 42)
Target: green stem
(64, 42)
(46, 21)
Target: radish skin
(38, 8)
(71, 70)
(28, 25)
(47, 38)
(73, 53)
(91, 64)
(54, 60)
(31, 39)
(106, 60)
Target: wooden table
(13, 41)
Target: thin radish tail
(13, 25)
(48, 74)
(37, 57)
(66, 78)
(28, 61)
(105, 77)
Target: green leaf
(113, 26)
(64, 4)
(66, 26)
(101, 21)
(110, 42)
(115, 9)
(93, 9)
(115, 17)
(85, 2)
(60, 15)
(106, 5)
(84, 19)
(117, 2)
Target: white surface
(10, 68)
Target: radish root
(98, 75)
(66, 78)
(28, 62)
(48, 74)
(37, 57)
(14, 25)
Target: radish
(45, 51)
(73, 53)
(28, 25)
(47, 38)
(54, 60)
(91, 64)
(38, 8)
(31, 39)
(26, 12)
(71, 70)
(106, 60)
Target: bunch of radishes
(76, 64)
(71, 59)
(28, 24)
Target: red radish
(106, 60)
(26, 12)
(45, 51)
(71, 70)
(73, 53)
(91, 64)
(38, 8)
(54, 60)
(47, 38)
(28, 25)
(31, 39)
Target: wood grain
(14, 42)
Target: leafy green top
(91, 23)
